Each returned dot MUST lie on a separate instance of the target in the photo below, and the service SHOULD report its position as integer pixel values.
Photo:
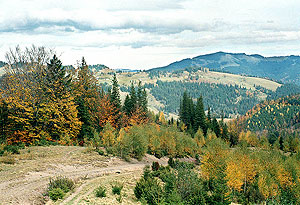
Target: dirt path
(30, 188)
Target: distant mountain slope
(281, 68)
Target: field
(24, 177)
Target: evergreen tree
(216, 127)
(186, 109)
(127, 105)
(133, 98)
(85, 89)
(57, 80)
(115, 93)
(200, 118)
(3, 120)
(209, 118)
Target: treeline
(43, 101)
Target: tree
(216, 127)
(186, 111)
(85, 91)
(4, 113)
(199, 138)
(200, 118)
(108, 135)
(57, 80)
(115, 93)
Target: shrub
(100, 192)
(56, 193)
(100, 152)
(150, 190)
(117, 188)
(14, 149)
(171, 162)
(63, 183)
(155, 166)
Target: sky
(143, 34)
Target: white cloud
(150, 33)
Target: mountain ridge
(280, 68)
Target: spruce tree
(57, 80)
(85, 88)
(200, 118)
(184, 112)
(115, 93)
(133, 98)
(3, 120)
(216, 127)
(127, 105)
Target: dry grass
(8, 159)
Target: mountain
(280, 68)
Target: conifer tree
(127, 105)
(133, 98)
(115, 93)
(216, 127)
(57, 80)
(200, 118)
(3, 120)
(85, 90)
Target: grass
(8, 159)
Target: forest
(246, 160)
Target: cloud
(152, 29)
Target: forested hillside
(271, 115)
(232, 100)
(282, 68)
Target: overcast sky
(141, 34)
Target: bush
(56, 193)
(155, 166)
(100, 152)
(63, 183)
(14, 149)
(150, 190)
(100, 192)
(171, 162)
(117, 188)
